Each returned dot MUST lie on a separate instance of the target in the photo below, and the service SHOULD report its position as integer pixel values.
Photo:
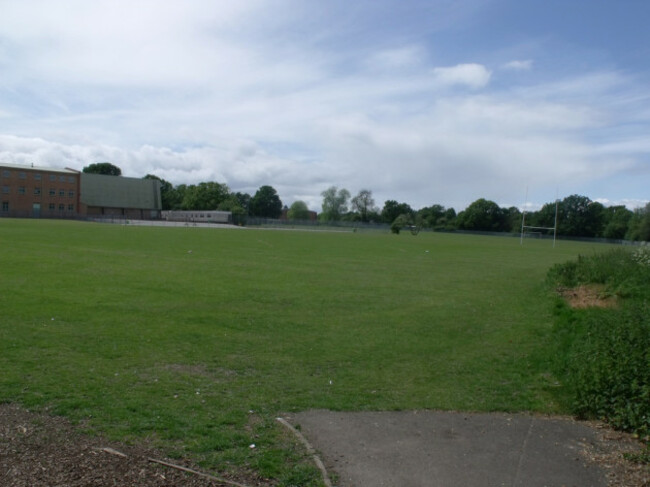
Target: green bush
(400, 222)
(604, 354)
(624, 273)
(610, 368)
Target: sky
(423, 102)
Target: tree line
(577, 216)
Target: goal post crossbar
(538, 228)
(524, 226)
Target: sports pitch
(198, 338)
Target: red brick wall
(31, 192)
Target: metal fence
(314, 224)
(341, 226)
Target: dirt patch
(588, 296)
(609, 454)
(39, 450)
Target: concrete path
(446, 449)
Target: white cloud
(266, 92)
(397, 58)
(471, 75)
(631, 204)
(519, 65)
(145, 43)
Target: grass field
(198, 338)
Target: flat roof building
(28, 191)
(120, 196)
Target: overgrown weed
(603, 355)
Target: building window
(62, 179)
(37, 191)
(70, 179)
(6, 174)
(21, 189)
(52, 192)
(22, 175)
(71, 194)
(62, 192)
(37, 177)
(70, 207)
(5, 190)
(52, 177)
(61, 207)
(5, 206)
(51, 207)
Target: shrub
(623, 272)
(604, 354)
(610, 368)
(400, 222)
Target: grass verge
(604, 353)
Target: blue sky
(424, 102)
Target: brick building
(44, 192)
(35, 192)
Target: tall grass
(604, 354)
(198, 338)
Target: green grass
(123, 328)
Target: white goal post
(525, 227)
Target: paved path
(428, 448)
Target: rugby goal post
(525, 227)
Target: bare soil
(40, 450)
(609, 454)
(592, 295)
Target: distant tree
(374, 215)
(616, 221)
(448, 220)
(351, 216)
(244, 201)
(392, 209)
(298, 211)
(204, 196)
(544, 217)
(266, 203)
(167, 193)
(639, 225)
(432, 216)
(233, 205)
(512, 222)
(178, 196)
(595, 223)
(230, 203)
(190, 198)
(483, 215)
(335, 203)
(401, 221)
(105, 168)
(577, 216)
(364, 205)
